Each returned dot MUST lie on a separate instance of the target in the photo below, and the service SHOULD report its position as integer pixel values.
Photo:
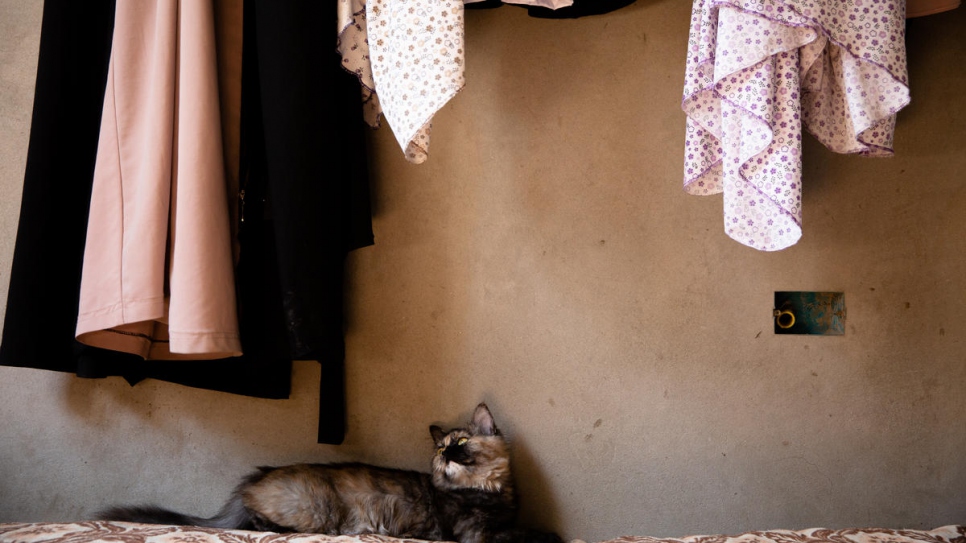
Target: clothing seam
(119, 306)
(120, 177)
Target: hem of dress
(868, 149)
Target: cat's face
(475, 456)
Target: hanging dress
(158, 279)
(757, 73)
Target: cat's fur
(469, 496)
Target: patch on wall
(817, 313)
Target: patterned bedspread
(123, 532)
(946, 534)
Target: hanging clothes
(548, 4)
(352, 42)
(286, 277)
(921, 8)
(229, 41)
(158, 269)
(44, 289)
(305, 182)
(409, 66)
(757, 72)
(42, 297)
(557, 9)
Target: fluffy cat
(468, 497)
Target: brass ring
(785, 319)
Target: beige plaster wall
(546, 260)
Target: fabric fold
(157, 278)
(353, 47)
(757, 73)
(417, 58)
(41, 314)
(409, 58)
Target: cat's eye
(462, 441)
(440, 450)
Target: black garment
(305, 179)
(310, 157)
(43, 293)
(44, 289)
(580, 8)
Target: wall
(545, 260)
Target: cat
(468, 497)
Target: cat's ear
(483, 421)
(438, 434)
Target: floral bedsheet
(945, 534)
(125, 532)
(128, 532)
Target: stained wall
(545, 260)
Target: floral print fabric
(944, 534)
(353, 46)
(408, 55)
(124, 532)
(757, 72)
(101, 531)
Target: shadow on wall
(538, 509)
(173, 419)
(186, 426)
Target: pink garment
(920, 8)
(757, 72)
(158, 277)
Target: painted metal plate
(818, 313)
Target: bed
(123, 532)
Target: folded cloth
(757, 72)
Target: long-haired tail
(232, 516)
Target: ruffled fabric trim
(759, 71)
(353, 47)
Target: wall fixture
(816, 313)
